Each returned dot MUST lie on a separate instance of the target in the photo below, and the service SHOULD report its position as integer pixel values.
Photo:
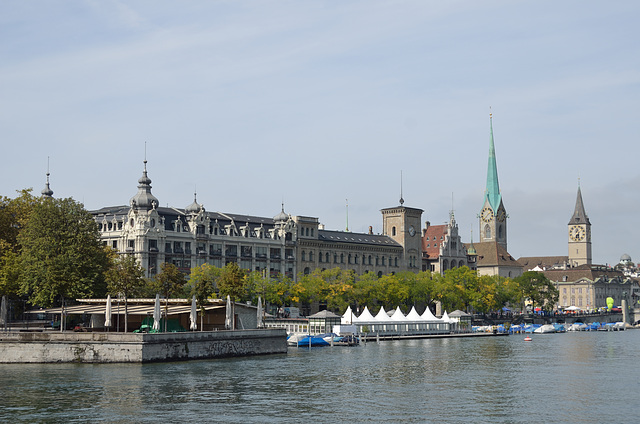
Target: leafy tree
(366, 290)
(61, 254)
(202, 281)
(536, 287)
(14, 214)
(456, 288)
(168, 282)
(125, 277)
(232, 283)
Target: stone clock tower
(579, 235)
(493, 215)
(402, 224)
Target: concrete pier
(46, 347)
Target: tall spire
(492, 191)
(579, 214)
(46, 191)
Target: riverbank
(54, 347)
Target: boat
(545, 329)
(312, 341)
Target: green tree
(366, 291)
(232, 283)
(536, 287)
(125, 278)
(61, 254)
(168, 282)
(202, 281)
(14, 214)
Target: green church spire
(492, 192)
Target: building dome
(625, 258)
(194, 207)
(143, 198)
(282, 216)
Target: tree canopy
(61, 255)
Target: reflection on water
(562, 378)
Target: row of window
(339, 258)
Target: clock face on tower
(412, 231)
(577, 233)
(501, 215)
(486, 214)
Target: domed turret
(46, 191)
(194, 208)
(282, 216)
(143, 198)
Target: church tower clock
(579, 235)
(493, 215)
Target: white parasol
(156, 314)
(227, 321)
(193, 316)
(259, 312)
(107, 312)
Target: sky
(324, 104)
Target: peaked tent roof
(382, 315)
(428, 315)
(398, 315)
(413, 315)
(347, 317)
(365, 316)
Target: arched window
(487, 232)
(342, 258)
(307, 271)
(445, 264)
(500, 231)
(311, 256)
(369, 259)
(327, 257)
(393, 231)
(304, 256)
(320, 257)
(379, 274)
(349, 259)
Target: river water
(585, 377)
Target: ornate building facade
(283, 245)
(442, 248)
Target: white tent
(347, 317)
(398, 315)
(445, 317)
(427, 315)
(365, 316)
(382, 315)
(413, 315)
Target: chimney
(370, 230)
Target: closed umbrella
(3, 313)
(156, 314)
(107, 312)
(259, 312)
(194, 315)
(227, 321)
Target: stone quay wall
(49, 347)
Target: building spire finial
(401, 199)
(47, 192)
(347, 229)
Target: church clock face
(486, 214)
(501, 215)
(577, 233)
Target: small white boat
(546, 328)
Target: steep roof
(492, 192)
(579, 214)
(491, 253)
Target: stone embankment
(45, 347)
